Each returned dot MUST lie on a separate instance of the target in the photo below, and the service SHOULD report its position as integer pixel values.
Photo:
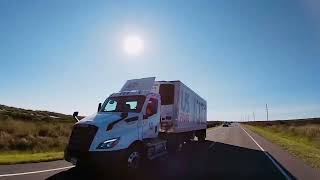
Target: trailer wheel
(172, 144)
(201, 135)
(201, 138)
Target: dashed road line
(211, 145)
(272, 160)
(35, 172)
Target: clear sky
(238, 55)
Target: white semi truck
(143, 121)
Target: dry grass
(30, 136)
(306, 128)
(300, 137)
(17, 135)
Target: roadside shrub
(213, 123)
(21, 144)
(4, 140)
(310, 131)
(43, 132)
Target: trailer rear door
(166, 92)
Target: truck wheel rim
(134, 160)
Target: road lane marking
(272, 160)
(211, 145)
(35, 172)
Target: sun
(133, 45)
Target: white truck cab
(140, 122)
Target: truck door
(151, 117)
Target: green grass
(301, 141)
(27, 157)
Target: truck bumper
(96, 159)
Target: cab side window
(152, 107)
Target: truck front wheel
(134, 159)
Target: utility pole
(267, 112)
(254, 117)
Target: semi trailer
(144, 120)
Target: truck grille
(81, 137)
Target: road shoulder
(21, 168)
(295, 166)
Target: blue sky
(239, 55)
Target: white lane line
(35, 172)
(272, 160)
(212, 144)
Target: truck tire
(134, 158)
(80, 165)
(172, 146)
(189, 137)
(201, 135)
(174, 143)
(201, 139)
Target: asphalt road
(228, 153)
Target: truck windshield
(123, 104)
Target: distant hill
(33, 131)
(14, 113)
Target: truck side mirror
(75, 115)
(99, 107)
(149, 110)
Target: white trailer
(145, 120)
(182, 110)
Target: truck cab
(126, 124)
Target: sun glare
(133, 45)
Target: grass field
(32, 136)
(299, 137)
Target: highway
(228, 153)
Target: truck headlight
(110, 143)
